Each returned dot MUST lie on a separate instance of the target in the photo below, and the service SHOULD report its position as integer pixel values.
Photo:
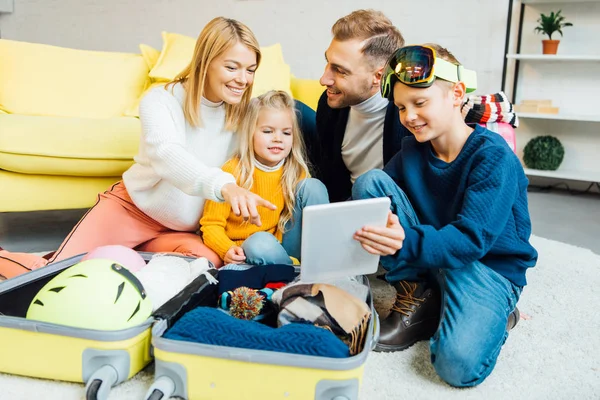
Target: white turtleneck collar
(371, 105)
(265, 168)
(209, 103)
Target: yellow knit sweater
(221, 228)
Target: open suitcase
(101, 359)
(199, 371)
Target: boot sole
(390, 348)
(431, 326)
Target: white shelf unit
(588, 176)
(558, 1)
(562, 117)
(570, 79)
(553, 58)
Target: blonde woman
(270, 163)
(187, 134)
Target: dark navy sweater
(324, 146)
(474, 208)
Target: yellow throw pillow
(273, 73)
(38, 79)
(271, 76)
(177, 52)
(150, 55)
(307, 91)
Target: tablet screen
(329, 250)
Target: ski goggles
(419, 66)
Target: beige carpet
(552, 355)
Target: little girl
(271, 163)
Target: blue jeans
(476, 300)
(262, 248)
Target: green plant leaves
(548, 24)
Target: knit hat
(489, 108)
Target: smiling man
(357, 129)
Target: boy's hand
(235, 255)
(382, 241)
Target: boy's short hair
(443, 53)
(381, 37)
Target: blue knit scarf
(212, 326)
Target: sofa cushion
(43, 192)
(177, 52)
(68, 146)
(55, 166)
(38, 79)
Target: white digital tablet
(329, 250)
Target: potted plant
(548, 24)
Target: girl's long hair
(294, 167)
(216, 37)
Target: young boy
(456, 245)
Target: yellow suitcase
(100, 359)
(195, 371)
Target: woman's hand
(382, 241)
(235, 255)
(245, 203)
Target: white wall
(474, 30)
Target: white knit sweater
(178, 166)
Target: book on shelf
(536, 106)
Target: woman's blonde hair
(216, 38)
(294, 167)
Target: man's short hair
(381, 37)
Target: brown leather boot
(414, 316)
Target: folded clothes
(212, 326)
(326, 306)
(255, 277)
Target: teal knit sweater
(472, 209)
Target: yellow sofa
(68, 118)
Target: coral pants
(114, 219)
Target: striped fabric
(489, 108)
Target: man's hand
(235, 255)
(382, 241)
(245, 203)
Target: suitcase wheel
(99, 384)
(161, 389)
(95, 389)
(156, 395)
